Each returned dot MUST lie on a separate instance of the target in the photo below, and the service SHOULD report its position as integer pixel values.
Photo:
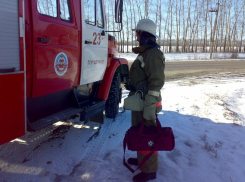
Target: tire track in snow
(97, 142)
(84, 165)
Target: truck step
(41, 123)
(94, 108)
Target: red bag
(148, 139)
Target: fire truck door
(94, 42)
(55, 45)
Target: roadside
(183, 65)
(183, 69)
(183, 74)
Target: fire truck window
(47, 7)
(100, 22)
(65, 10)
(89, 11)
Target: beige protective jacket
(148, 70)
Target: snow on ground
(207, 115)
(188, 56)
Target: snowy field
(173, 57)
(207, 115)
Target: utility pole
(214, 29)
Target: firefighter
(146, 75)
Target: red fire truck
(57, 59)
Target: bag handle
(159, 130)
(125, 141)
(138, 92)
(143, 124)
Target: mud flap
(99, 118)
(94, 111)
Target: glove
(149, 112)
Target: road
(177, 70)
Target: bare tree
(127, 25)
(147, 9)
(171, 25)
(184, 25)
(242, 31)
(214, 29)
(177, 19)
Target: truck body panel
(12, 71)
(56, 60)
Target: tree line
(184, 25)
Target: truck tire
(114, 97)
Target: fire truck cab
(57, 59)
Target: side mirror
(118, 10)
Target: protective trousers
(151, 165)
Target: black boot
(143, 177)
(133, 161)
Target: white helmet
(147, 25)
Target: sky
(206, 113)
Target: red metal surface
(106, 84)
(112, 50)
(29, 50)
(64, 38)
(12, 107)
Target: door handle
(88, 42)
(102, 33)
(40, 39)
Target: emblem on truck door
(61, 64)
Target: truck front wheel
(114, 97)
